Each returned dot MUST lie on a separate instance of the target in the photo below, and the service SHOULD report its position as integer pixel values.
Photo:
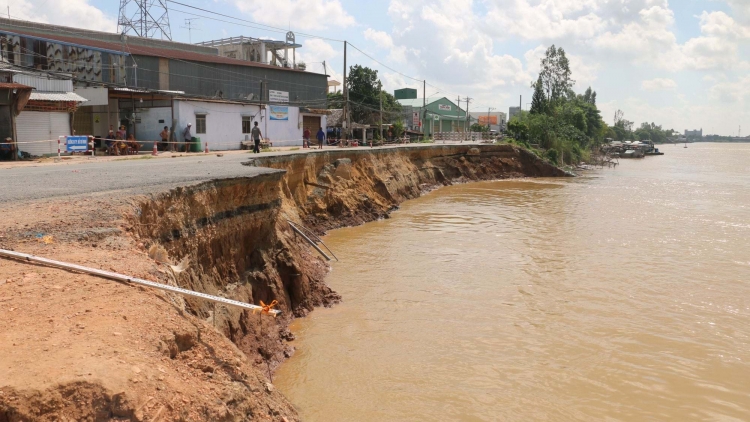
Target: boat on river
(633, 153)
(631, 149)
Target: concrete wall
(288, 133)
(223, 122)
(149, 127)
(285, 132)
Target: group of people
(120, 143)
(321, 136)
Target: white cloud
(458, 54)
(741, 9)
(384, 41)
(545, 20)
(315, 51)
(732, 92)
(304, 14)
(647, 40)
(718, 47)
(380, 38)
(659, 84)
(67, 13)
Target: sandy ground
(68, 339)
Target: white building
(495, 119)
(47, 114)
(225, 124)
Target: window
(247, 124)
(200, 123)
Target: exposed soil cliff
(76, 347)
(236, 233)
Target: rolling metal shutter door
(83, 122)
(312, 123)
(59, 125)
(40, 126)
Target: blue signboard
(279, 113)
(77, 143)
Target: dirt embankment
(108, 350)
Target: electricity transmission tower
(144, 18)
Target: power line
(384, 65)
(275, 28)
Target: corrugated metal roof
(417, 102)
(44, 83)
(57, 96)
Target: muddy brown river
(622, 295)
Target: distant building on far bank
(514, 111)
(495, 119)
(693, 133)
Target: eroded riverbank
(619, 295)
(236, 236)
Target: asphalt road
(135, 176)
(132, 176)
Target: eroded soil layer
(81, 348)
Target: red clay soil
(76, 347)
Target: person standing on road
(321, 138)
(187, 136)
(164, 138)
(123, 133)
(257, 135)
(306, 138)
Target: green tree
(518, 127)
(555, 74)
(538, 100)
(476, 127)
(335, 100)
(364, 96)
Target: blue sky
(683, 64)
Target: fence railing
(462, 136)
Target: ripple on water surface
(621, 295)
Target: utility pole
(189, 27)
(458, 113)
(467, 126)
(346, 98)
(424, 107)
(520, 104)
(380, 97)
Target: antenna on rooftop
(189, 27)
(144, 18)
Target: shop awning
(57, 96)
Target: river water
(620, 295)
